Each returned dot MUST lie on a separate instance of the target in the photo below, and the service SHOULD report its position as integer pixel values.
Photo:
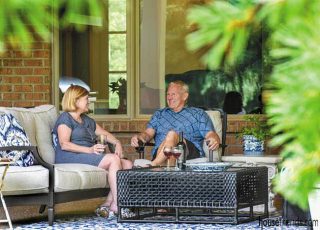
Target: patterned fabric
(193, 122)
(13, 134)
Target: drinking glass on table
(167, 151)
(210, 152)
(176, 152)
(102, 139)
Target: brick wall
(25, 77)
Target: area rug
(93, 222)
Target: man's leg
(171, 140)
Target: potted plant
(120, 87)
(254, 135)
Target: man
(166, 124)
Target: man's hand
(212, 140)
(135, 140)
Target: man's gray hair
(184, 86)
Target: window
(165, 58)
(98, 57)
(140, 49)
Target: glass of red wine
(176, 152)
(167, 151)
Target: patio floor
(93, 222)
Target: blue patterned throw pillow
(13, 134)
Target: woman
(74, 140)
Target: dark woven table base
(193, 197)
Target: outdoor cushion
(24, 119)
(25, 180)
(79, 176)
(45, 117)
(13, 134)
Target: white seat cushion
(25, 180)
(79, 176)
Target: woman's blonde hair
(69, 99)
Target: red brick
(47, 63)
(5, 103)
(12, 62)
(34, 96)
(47, 97)
(23, 71)
(23, 103)
(46, 45)
(33, 79)
(47, 79)
(41, 54)
(22, 54)
(5, 88)
(23, 88)
(42, 88)
(235, 149)
(37, 103)
(124, 126)
(12, 96)
(41, 71)
(11, 80)
(6, 71)
(33, 62)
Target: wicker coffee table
(193, 196)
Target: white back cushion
(45, 117)
(216, 120)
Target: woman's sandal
(103, 211)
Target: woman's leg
(126, 164)
(112, 163)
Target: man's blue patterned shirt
(193, 122)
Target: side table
(4, 163)
(270, 161)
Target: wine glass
(102, 139)
(176, 152)
(167, 151)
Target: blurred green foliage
(21, 20)
(292, 52)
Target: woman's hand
(118, 149)
(98, 148)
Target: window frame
(133, 61)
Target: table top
(268, 159)
(174, 170)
